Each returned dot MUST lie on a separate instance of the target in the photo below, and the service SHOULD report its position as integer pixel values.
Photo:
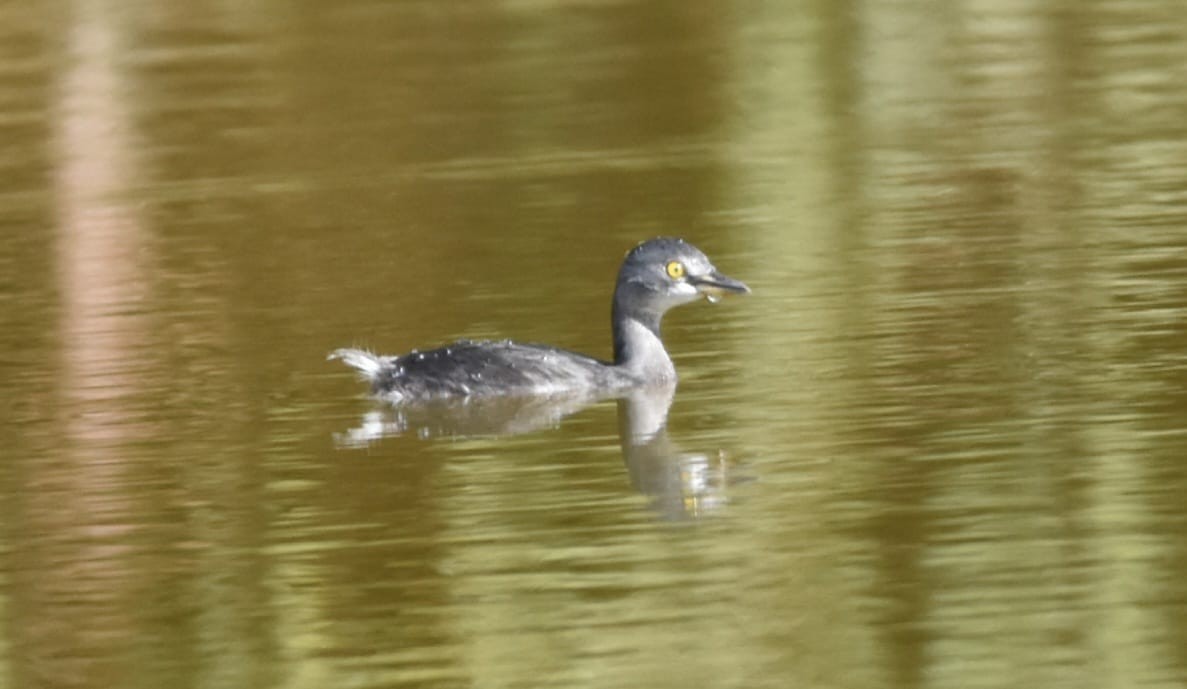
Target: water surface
(940, 445)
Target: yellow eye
(675, 269)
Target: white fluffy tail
(367, 364)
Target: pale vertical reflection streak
(100, 238)
(83, 515)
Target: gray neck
(638, 349)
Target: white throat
(644, 355)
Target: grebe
(655, 276)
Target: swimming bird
(655, 276)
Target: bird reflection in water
(680, 484)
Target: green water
(941, 445)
